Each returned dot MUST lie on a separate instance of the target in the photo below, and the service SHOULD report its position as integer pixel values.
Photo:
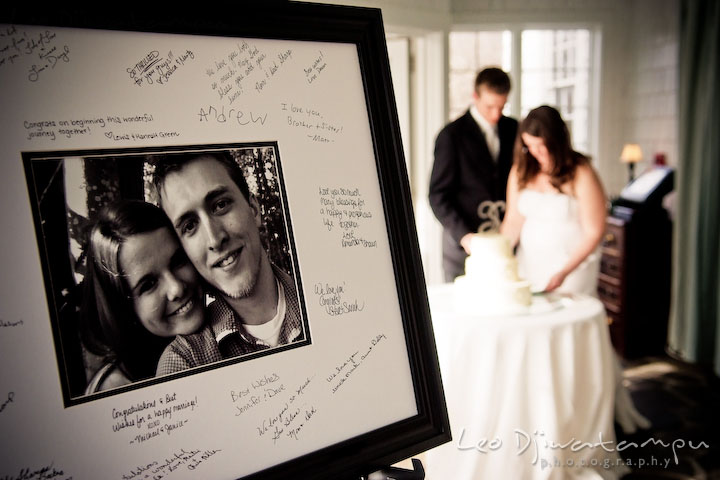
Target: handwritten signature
(344, 371)
(10, 399)
(4, 323)
(292, 417)
(44, 473)
(160, 469)
(51, 58)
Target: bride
(556, 217)
(555, 208)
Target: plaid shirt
(225, 337)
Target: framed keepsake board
(299, 97)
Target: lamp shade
(631, 153)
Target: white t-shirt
(269, 332)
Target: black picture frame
(353, 456)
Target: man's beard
(243, 292)
(247, 289)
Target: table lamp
(631, 154)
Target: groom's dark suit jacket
(464, 175)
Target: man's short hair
(174, 162)
(495, 79)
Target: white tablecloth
(529, 396)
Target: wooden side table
(634, 280)
(612, 280)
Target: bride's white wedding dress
(550, 233)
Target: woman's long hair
(545, 122)
(110, 326)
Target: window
(555, 65)
(469, 53)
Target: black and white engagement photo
(162, 261)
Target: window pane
(556, 72)
(469, 53)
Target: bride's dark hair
(545, 122)
(110, 326)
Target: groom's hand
(465, 242)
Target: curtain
(694, 332)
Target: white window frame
(516, 29)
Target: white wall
(401, 16)
(652, 116)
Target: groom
(217, 221)
(473, 156)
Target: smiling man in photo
(218, 223)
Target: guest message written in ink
(150, 419)
(345, 370)
(343, 211)
(10, 324)
(7, 400)
(245, 68)
(117, 128)
(48, 472)
(335, 299)
(182, 460)
(156, 69)
(37, 53)
(5, 403)
(291, 408)
(314, 123)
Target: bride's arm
(592, 209)
(513, 221)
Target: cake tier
(485, 269)
(499, 298)
(491, 244)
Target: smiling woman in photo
(141, 291)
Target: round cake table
(529, 396)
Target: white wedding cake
(491, 285)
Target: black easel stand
(394, 473)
